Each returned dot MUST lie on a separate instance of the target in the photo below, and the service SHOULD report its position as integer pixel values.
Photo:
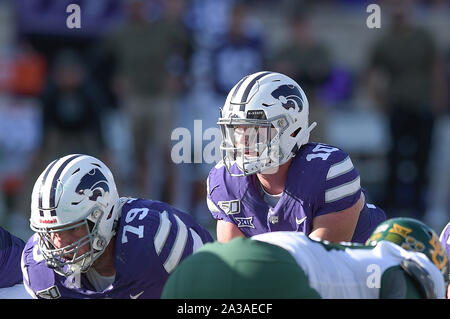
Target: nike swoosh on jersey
(136, 296)
(300, 221)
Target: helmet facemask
(69, 259)
(251, 144)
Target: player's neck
(274, 183)
(104, 265)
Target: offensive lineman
(272, 179)
(91, 244)
(402, 259)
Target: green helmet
(411, 234)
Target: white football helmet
(74, 191)
(263, 122)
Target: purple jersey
(321, 180)
(152, 239)
(444, 238)
(10, 253)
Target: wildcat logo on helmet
(94, 184)
(289, 96)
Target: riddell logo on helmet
(48, 221)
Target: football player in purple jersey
(444, 238)
(11, 286)
(89, 243)
(271, 178)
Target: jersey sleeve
(38, 279)
(338, 186)
(175, 236)
(10, 254)
(215, 185)
(154, 239)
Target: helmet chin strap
(75, 268)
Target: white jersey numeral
(131, 215)
(135, 230)
(321, 151)
(133, 212)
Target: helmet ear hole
(110, 212)
(295, 133)
(90, 224)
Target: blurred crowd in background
(117, 87)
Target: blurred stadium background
(116, 87)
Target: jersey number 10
(322, 151)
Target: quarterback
(272, 179)
(403, 259)
(89, 243)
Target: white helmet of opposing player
(263, 122)
(74, 191)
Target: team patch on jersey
(49, 293)
(273, 219)
(230, 207)
(245, 222)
